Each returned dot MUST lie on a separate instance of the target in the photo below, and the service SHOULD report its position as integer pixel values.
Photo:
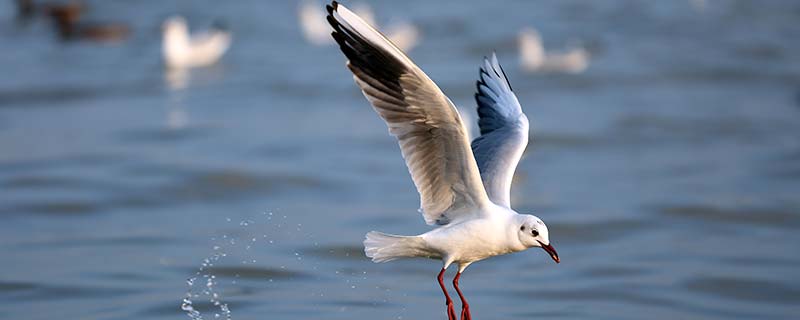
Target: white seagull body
(403, 34)
(182, 50)
(534, 58)
(464, 188)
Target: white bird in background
(182, 50)
(534, 58)
(312, 22)
(464, 189)
(404, 35)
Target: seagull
(403, 34)
(182, 50)
(464, 188)
(533, 57)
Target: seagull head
(533, 233)
(174, 25)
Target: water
(668, 172)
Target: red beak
(551, 251)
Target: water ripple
(745, 289)
(772, 217)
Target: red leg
(464, 305)
(451, 313)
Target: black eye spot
(535, 233)
(522, 228)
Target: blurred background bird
(182, 49)
(67, 19)
(311, 17)
(534, 58)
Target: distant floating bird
(182, 50)
(67, 12)
(67, 19)
(403, 34)
(534, 58)
(312, 23)
(464, 189)
(27, 9)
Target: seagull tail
(382, 247)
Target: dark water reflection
(668, 172)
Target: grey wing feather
(504, 132)
(428, 128)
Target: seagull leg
(451, 313)
(464, 305)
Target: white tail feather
(383, 247)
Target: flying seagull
(463, 189)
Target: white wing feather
(504, 132)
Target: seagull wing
(206, 48)
(425, 122)
(504, 132)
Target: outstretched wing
(504, 132)
(432, 138)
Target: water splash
(239, 245)
(210, 289)
(190, 311)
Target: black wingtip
(332, 7)
(331, 20)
